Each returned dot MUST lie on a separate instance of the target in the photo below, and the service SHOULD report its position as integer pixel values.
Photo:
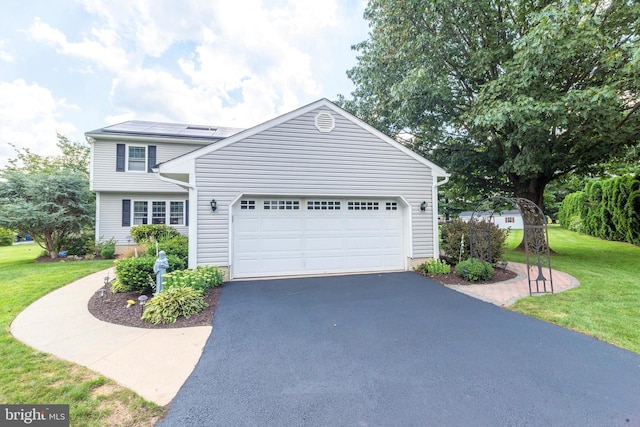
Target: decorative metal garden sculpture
(536, 241)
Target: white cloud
(233, 63)
(30, 116)
(5, 55)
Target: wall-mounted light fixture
(423, 206)
(214, 205)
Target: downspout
(434, 202)
(193, 215)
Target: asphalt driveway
(396, 350)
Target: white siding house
(314, 191)
(503, 219)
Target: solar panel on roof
(137, 127)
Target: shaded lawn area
(31, 377)
(606, 305)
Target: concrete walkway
(152, 362)
(506, 293)
(156, 362)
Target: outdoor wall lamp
(423, 206)
(214, 205)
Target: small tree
(48, 206)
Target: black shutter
(120, 155)
(126, 213)
(151, 157)
(186, 213)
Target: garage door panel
(310, 240)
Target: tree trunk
(50, 245)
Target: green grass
(28, 376)
(606, 305)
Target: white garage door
(285, 236)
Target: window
(323, 205)
(281, 205)
(159, 213)
(509, 219)
(176, 213)
(247, 204)
(139, 213)
(392, 206)
(363, 206)
(137, 158)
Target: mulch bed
(112, 308)
(499, 275)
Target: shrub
(159, 232)
(176, 245)
(7, 237)
(201, 278)
(116, 287)
(97, 246)
(473, 269)
(108, 252)
(172, 303)
(78, 245)
(451, 234)
(135, 274)
(436, 266)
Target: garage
(279, 236)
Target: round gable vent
(325, 121)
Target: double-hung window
(137, 158)
(140, 215)
(159, 213)
(176, 213)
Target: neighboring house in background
(503, 219)
(313, 191)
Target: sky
(72, 66)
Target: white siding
(294, 158)
(109, 214)
(105, 178)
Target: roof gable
(171, 166)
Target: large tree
(47, 197)
(508, 95)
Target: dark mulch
(113, 308)
(499, 275)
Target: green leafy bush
(201, 278)
(172, 303)
(436, 266)
(135, 274)
(117, 287)
(159, 232)
(78, 245)
(176, 245)
(108, 252)
(7, 237)
(451, 235)
(473, 269)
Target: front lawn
(606, 305)
(28, 376)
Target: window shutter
(151, 157)
(120, 155)
(186, 213)
(126, 212)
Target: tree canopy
(47, 197)
(508, 95)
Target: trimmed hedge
(608, 209)
(142, 233)
(134, 274)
